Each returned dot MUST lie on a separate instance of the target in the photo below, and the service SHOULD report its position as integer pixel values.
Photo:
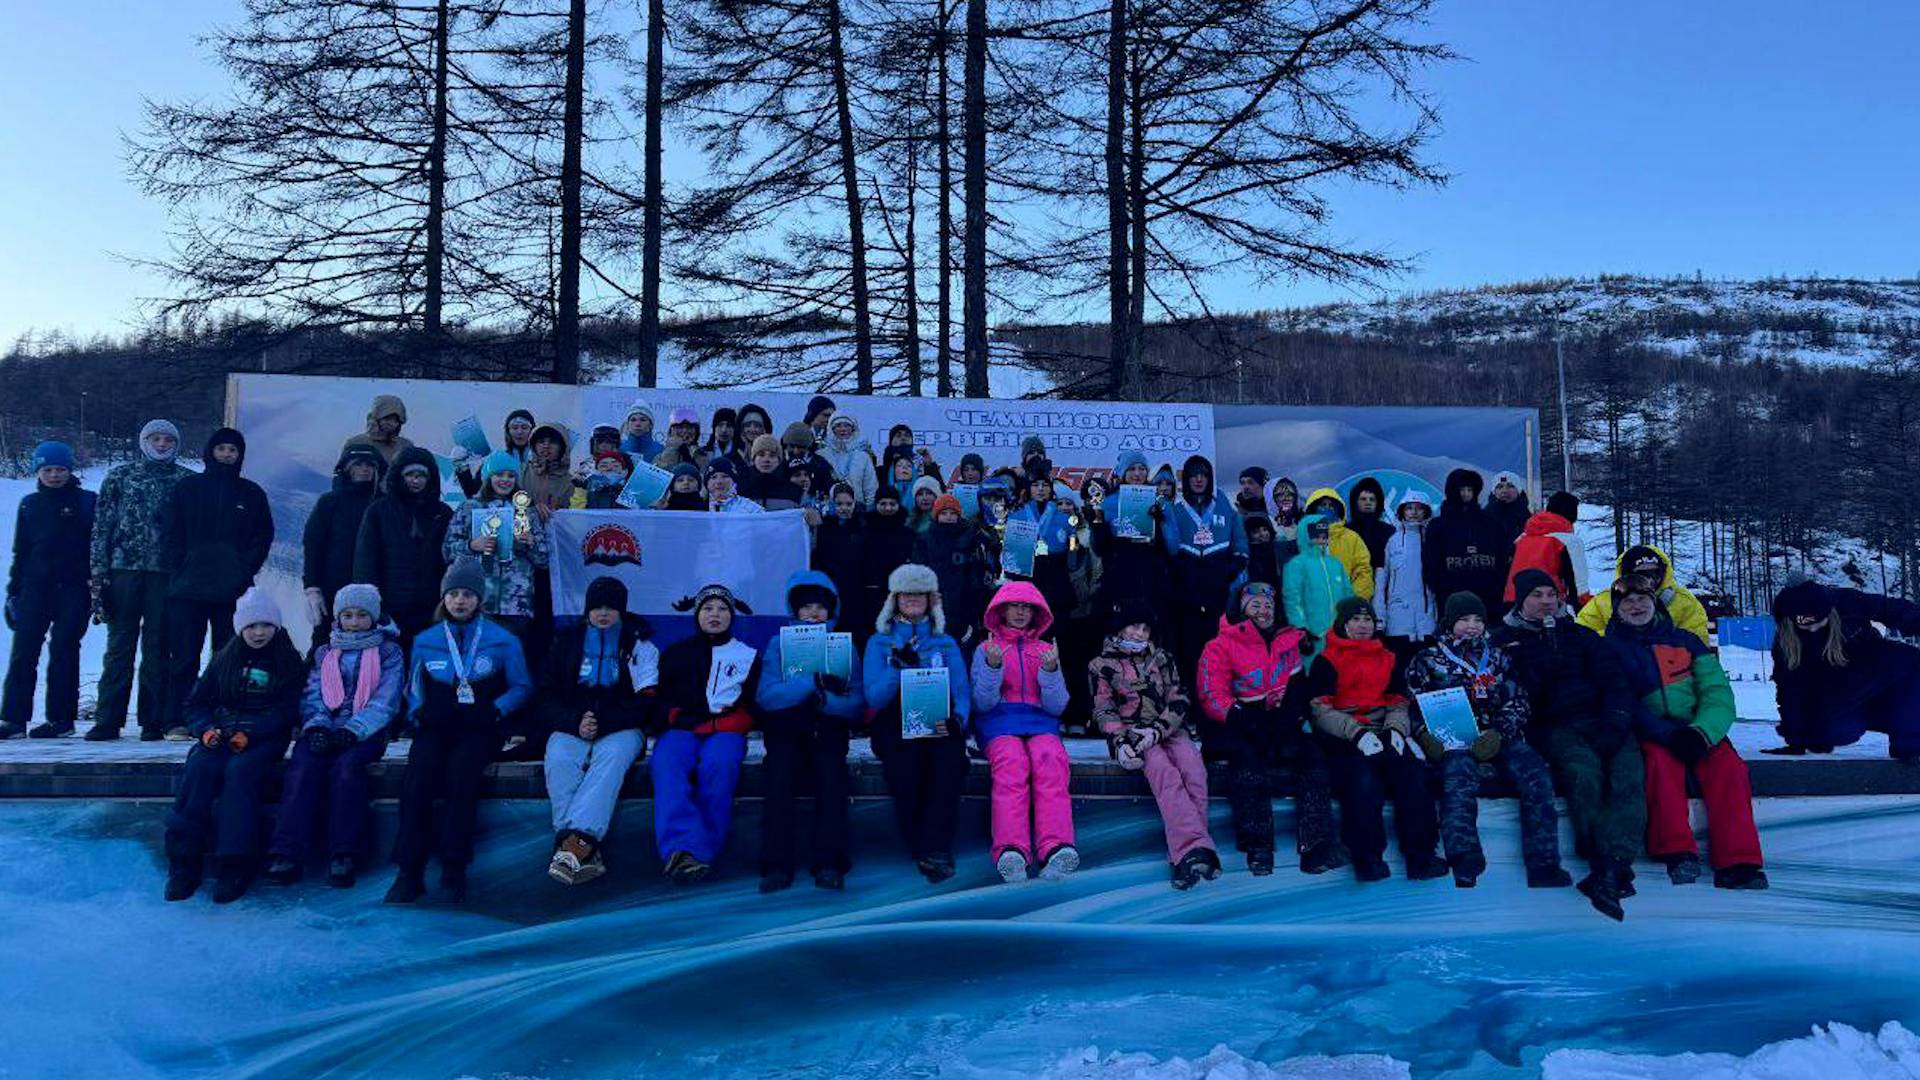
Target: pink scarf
(333, 689)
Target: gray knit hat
(359, 596)
(255, 606)
(465, 573)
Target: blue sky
(1734, 138)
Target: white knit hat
(255, 606)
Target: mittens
(1430, 745)
(1369, 744)
(1485, 746)
(1396, 742)
(904, 657)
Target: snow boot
(830, 879)
(1550, 876)
(1623, 876)
(1682, 869)
(341, 872)
(1063, 862)
(1208, 864)
(937, 867)
(15, 731)
(1426, 867)
(1370, 870)
(233, 878)
(282, 870)
(774, 881)
(1467, 870)
(408, 886)
(1320, 859)
(1186, 873)
(1011, 865)
(183, 877)
(148, 734)
(175, 734)
(1740, 876)
(1603, 892)
(1260, 862)
(101, 733)
(49, 730)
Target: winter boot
(1740, 876)
(408, 887)
(1370, 870)
(102, 733)
(1012, 866)
(1260, 862)
(774, 881)
(235, 874)
(49, 730)
(183, 877)
(1550, 876)
(1682, 869)
(1063, 862)
(1426, 867)
(341, 872)
(175, 734)
(1602, 890)
(15, 731)
(453, 884)
(937, 867)
(1623, 876)
(1467, 870)
(829, 878)
(1208, 864)
(1321, 858)
(1186, 873)
(148, 734)
(282, 870)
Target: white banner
(663, 556)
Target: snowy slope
(1815, 321)
(823, 367)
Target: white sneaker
(1012, 866)
(1065, 860)
(564, 868)
(590, 869)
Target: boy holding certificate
(1489, 735)
(809, 698)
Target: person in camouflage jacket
(130, 580)
(1464, 658)
(509, 593)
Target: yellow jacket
(1345, 544)
(1681, 605)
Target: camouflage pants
(1460, 805)
(1250, 751)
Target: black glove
(831, 684)
(904, 656)
(12, 612)
(1689, 744)
(1157, 512)
(320, 742)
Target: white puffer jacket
(852, 461)
(1406, 604)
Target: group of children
(1367, 653)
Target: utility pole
(1566, 447)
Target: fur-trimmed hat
(912, 578)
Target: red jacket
(1548, 545)
(1239, 665)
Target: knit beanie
(886, 491)
(1530, 579)
(1127, 460)
(818, 404)
(639, 408)
(255, 606)
(361, 596)
(1129, 612)
(1347, 608)
(1642, 559)
(1251, 589)
(974, 460)
(1032, 446)
(713, 591)
(1459, 606)
(720, 464)
(688, 468)
(361, 454)
(928, 483)
(799, 465)
(1255, 473)
(626, 462)
(498, 462)
(1802, 596)
(1564, 503)
(1063, 493)
(465, 573)
(606, 592)
(160, 427)
(766, 444)
(52, 454)
(948, 502)
(797, 434)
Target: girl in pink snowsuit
(1019, 693)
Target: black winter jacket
(333, 531)
(51, 533)
(398, 549)
(1572, 679)
(1815, 689)
(617, 708)
(1465, 552)
(957, 554)
(219, 530)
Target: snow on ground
(1110, 974)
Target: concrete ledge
(148, 772)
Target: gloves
(1157, 512)
(320, 742)
(1689, 744)
(316, 608)
(210, 738)
(1396, 742)
(1485, 745)
(459, 454)
(1144, 738)
(1129, 755)
(237, 742)
(1430, 745)
(12, 612)
(831, 684)
(904, 656)
(1369, 744)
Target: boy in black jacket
(47, 593)
(597, 695)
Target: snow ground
(1109, 975)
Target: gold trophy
(522, 520)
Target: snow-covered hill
(1813, 320)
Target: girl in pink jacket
(1019, 693)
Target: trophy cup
(522, 520)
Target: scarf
(333, 689)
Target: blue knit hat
(497, 462)
(52, 453)
(1128, 459)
